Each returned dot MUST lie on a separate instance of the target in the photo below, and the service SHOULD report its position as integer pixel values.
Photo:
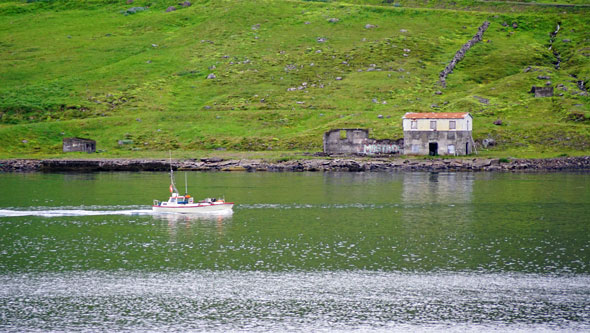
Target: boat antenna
(172, 175)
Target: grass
(284, 74)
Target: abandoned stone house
(79, 144)
(351, 141)
(437, 133)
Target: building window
(414, 124)
(451, 149)
(451, 135)
(452, 124)
(433, 124)
(415, 148)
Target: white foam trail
(70, 212)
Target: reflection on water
(437, 188)
(186, 222)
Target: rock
(154, 45)
(207, 107)
(211, 76)
(333, 20)
(256, 27)
(498, 122)
(25, 141)
(566, 40)
(134, 10)
(380, 116)
(374, 100)
(403, 30)
(321, 40)
(548, 83)
(370, 26)
(482, 100)
(526, 70)
(514, 25)
(544, 77)
(339, 78)
(438, 92)
(488, 142)
(434, 106)
(407, 50)
(129, 2)
(170, 9)
(504, 24)
(125, 142)
(186, 4)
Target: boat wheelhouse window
(173, 200)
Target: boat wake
(100, 211)
(71, 212)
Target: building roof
(436, 115)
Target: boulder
(170, 9)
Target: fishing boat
(186, 204)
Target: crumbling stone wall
(461, 53)
(542, 91)
(356, 141)
(79, 144)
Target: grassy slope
(87, 70)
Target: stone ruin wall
(461, 53)
(357, 142)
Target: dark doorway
(433, 148)
(466, 148)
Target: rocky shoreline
(349, 164)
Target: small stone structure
(353, 141)
(79, 144)
(542, 91)
(437, 133)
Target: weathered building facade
(79, 144)
(356, 141)
(437, 133)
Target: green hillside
(285, 72)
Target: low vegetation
(269, 78)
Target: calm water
(301, 252)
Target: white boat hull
(195, 208)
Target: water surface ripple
(285, 301)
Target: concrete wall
(357, 141)
(447, 142)
(78, 144)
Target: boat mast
(185, 184)
(172, 174)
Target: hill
(275, 75)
